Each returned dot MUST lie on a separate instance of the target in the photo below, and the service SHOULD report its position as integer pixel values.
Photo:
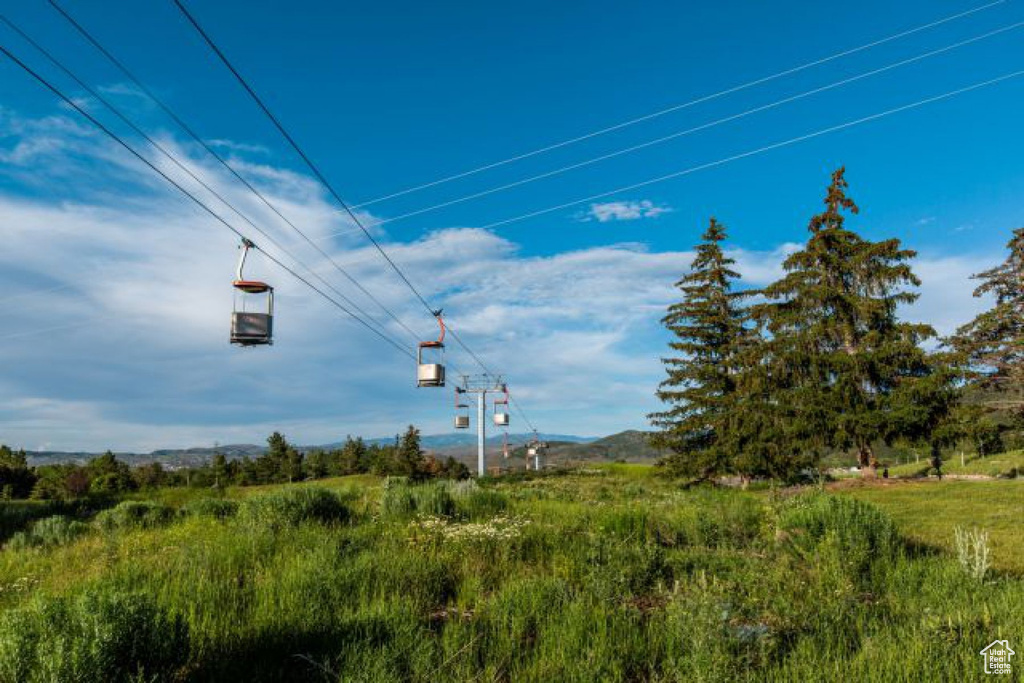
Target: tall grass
(570, 578)
(444, 498)
(291, 507)
(96, 636)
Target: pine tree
(843, 371)
(350, 458)
(293, 464)
(993, 343)
(408, 456)
(219, 470)
(317, 464)
(281, 462)
(709, 330)
(107, 474)
(758, 427)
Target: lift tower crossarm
(481, 385)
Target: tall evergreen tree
(709, 330)
(408, 456)
(844, 371)
(350, 458)
(758, 426)
(993, 343)
(281, 462)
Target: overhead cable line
(695, 129)
(170, 156)
(77, 107)
(316, 171)
(678, 107)
(487, 371)
(759, 150)
(295, 146)
(223, 162)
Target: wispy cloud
(141, 280)
(624, 211)
(233, 146)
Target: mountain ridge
(438, 444)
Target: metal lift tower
(481, 385)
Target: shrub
(49, 532)
(289, 508)
(857, 532)
(97, 636)
(18, 515)
(972, 551)
(211, 507)
(134, 514)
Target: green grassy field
(606, 574)
(928, 511)
(999, 465)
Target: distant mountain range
(442, 442)
(438, 444)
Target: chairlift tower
(535, 450)
(481, 385)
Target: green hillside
(629, 446)
(1009, 465)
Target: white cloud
(947, 299)
(138, 281)
(624, 211)
(233, 146)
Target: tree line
(281, 462)
(765, 382)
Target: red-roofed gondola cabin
(252, 320)
(430, 359)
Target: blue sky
(399, 94)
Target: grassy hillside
(1000, 465)
(608, 574)
(629, 446)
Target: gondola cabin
(501, 416)
(252, 321)
(252, 317)
(461, 418)
(430, 359)
(429, 368)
